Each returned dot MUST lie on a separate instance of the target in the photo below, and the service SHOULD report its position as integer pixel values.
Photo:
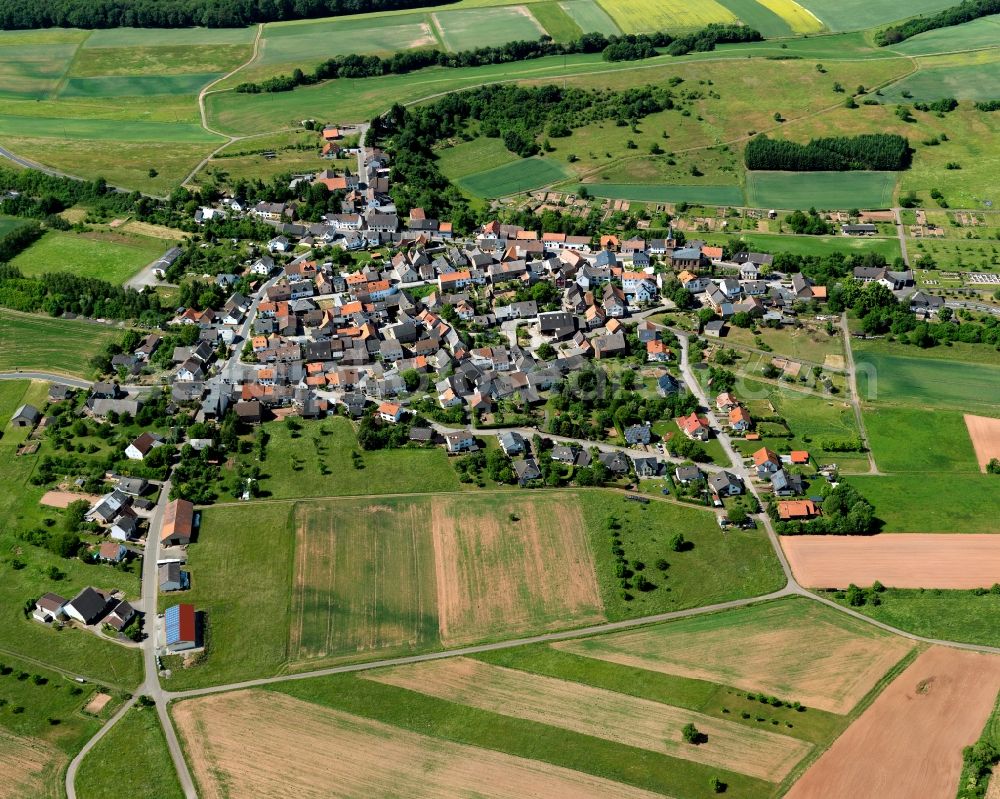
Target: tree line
(627, 47)
(24, 14)
(956, 15)
(58, 293)
(876, 151)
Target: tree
(993, 467)
(693, 735)
(717, 785)
(678, 543)
(738, 514)
(742, 319)
(545, 351)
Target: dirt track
(261, 744)
(905, 560)
(62, 499)
(909, 743)
(985, 434)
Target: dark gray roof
(89, 604)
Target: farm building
(88, 606)
(48, 607)
(181, 623)
(172, 577)
(178, 523)
(25, 416)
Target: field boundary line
(74, 764)
(64, 78)
(205, 89)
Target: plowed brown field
(25, 767)
(257, 745)
(985, 434)
(900, 560)
(602, 714)
(909, 743)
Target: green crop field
(30, 341)
(820, 189)
(153, 37)
(522, 175)
(667, 193)
(902, 441)
(463, 29)
(759, 17)
(103, 130)
(309, 42)
(170, 59)
(926, 382)
(33, 71)
(964, 82)
(935, 613)
(635, 16)
(939, 502)
(852, 15)
(139, 86)
(551, 16)
(107, 256)
(719, 567)
(983, 32)
(589, 16)
(111, 767)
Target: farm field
(820, 189)
(372, 758)
(667, 192)
(521, 175)
(718, 567)
(18, 126)
(849, 15)
(970, 354)
(926, 382)
(294, 151)
(898, 561)
(113, 765)
(909, 742)
(136, 85)
(943, 503)
(984, 32)
(29, 767)
(553, 18)
(985, 435)
(902, 441)
(158, 60)
(792, 648)
(589, 16)
(462, 29)
(934, 613)
(976, 81)
(600, 713)
(107, 256)
(53, 345)
(762, 18)
(635, 16)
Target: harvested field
(794, 649)
(97, 703)
(62, 499)
(498, 576)
(985, 434)
(247, 739)
(26, 765)
(903, 560)
(364, 581)
(602, 714)
(909, 742)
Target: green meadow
(984, 32)
(136, 85)
(759, 17)
(107, 256)
(464, 29)
(517, 176)
(820, 189)
(33, 342)
(809, 245)
(928, 383)
(103, 129)
(559, 25)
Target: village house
(178, 523)
(766, 462)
